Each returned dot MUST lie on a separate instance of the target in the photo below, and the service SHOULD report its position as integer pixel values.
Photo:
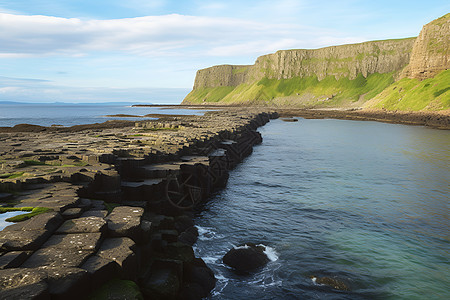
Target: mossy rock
(116, 289)
(33, 211)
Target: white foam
(242, 247)
(270, 252)
(206, 233)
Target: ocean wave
(207, 233)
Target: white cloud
(173, 34)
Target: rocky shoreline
(438, 120)
(433, 119)
(122, 197)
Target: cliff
(431, 50)
(339, 76)
(425, 82)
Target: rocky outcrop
(431, 50)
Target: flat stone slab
(77, 241)
(125, 221)
(13, 259)
(22, 240)
(95, 213)
(81, 225)
(23, 284)
(54, 257)
(48, 221)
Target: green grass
(412, 94)
(117, 289)
(268, 90)
(33, 211)
(11, 175)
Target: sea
(365, 203)
(65, 114)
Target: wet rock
(23, 284)
(178, 251)
(163, 283)
(199, 280)
(189, 236)
(13, 259)
(289, 119)
(183, 222)
(332, 282)
(126, 221)
(86, 224)
(246, 258)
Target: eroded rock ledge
(122, 199)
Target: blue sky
(141, 50)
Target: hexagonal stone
(78, 241)
(22, 240)
(120, 251)
(67, 283)
(13, 259)
(72, 213)
(100, 269)
(126, 221)
(21, 283)
(85, 224)
(54, 257)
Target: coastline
(433, 119)
(116, 206)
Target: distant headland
(410, 74)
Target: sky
(149, 50)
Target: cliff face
(431, 50)
(338, 61)
(347, 76)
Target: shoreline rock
(246, 258)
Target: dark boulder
(199, 280)
(246, 258)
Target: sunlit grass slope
(306, 91)
(412, 94)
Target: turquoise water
(9, 214)
(76, 114)
(364, 202)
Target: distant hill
(404, 74)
